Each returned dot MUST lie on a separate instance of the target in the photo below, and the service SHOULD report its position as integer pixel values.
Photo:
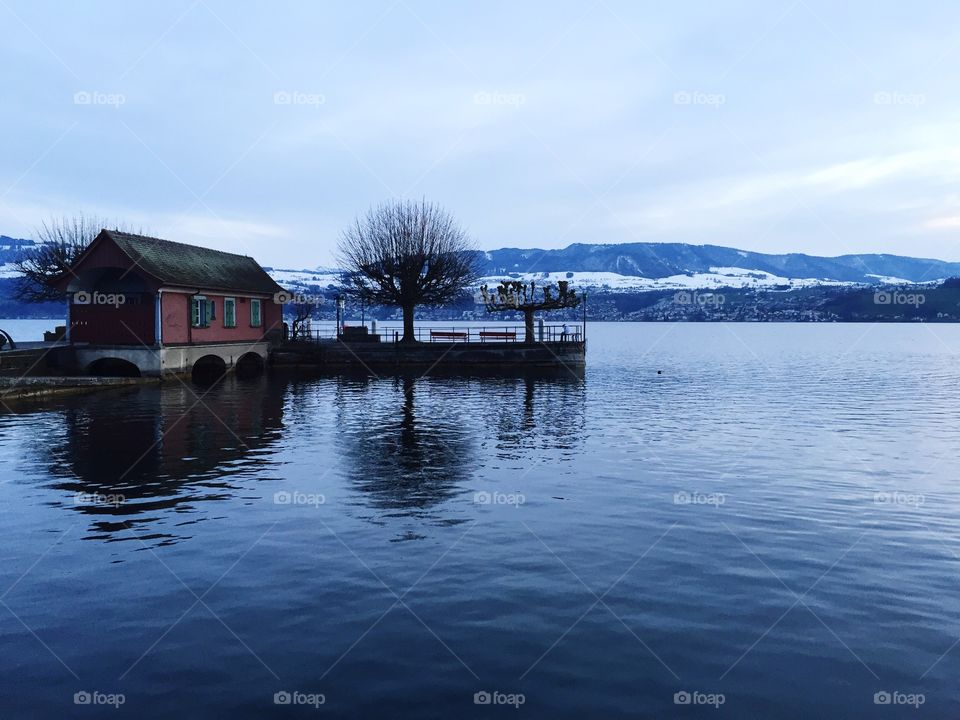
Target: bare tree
(59, 243)
(516, 295)
(303, 313)
(404, 254)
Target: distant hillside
(659, 281)
(660, 260)
(11, 248)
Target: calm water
(772, 518)
(29, 330)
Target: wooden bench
(499, 334)
(447, 335)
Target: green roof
(179, 264)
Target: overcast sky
(809, 126)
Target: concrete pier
(487, 356)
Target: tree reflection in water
(551, 416)
(404, 446)
(410, 444)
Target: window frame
(199, 311)
(230, 317)
(258, 304)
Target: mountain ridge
(660, 260)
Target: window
(229, 312)
(202, 311)
(198, 312)
(254, 313)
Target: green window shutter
(200, 312)
(255, 313)
(229, 312)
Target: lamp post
(340, 306)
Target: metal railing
(364, 332)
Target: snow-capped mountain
(642, 267)
(716, 277)
(665, 260)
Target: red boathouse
(160, 307)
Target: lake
(719, 520)
(29, 329)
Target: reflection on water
(151, 459)
(800, 428)
(129, 460)
(408, 444)
(551, 414)
(402, 452)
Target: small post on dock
(584, 317)
(340, 306)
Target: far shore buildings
(153, 307)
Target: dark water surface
(773, 519)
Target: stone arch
(249, 365)
(208, 369)
(113, 367)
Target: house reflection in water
(162, 451)
(405, 447)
